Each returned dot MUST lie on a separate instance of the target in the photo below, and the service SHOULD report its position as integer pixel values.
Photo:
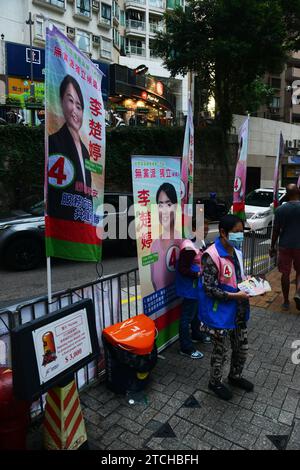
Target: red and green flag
(75, 151)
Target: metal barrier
(116, 298)
(256, 252)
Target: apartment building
(110, 32)
(281, 107)
(134, 36)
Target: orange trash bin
(130, 354)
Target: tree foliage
(230, 44)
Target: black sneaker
(242, 383)
(221, 391)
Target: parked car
(259, 209)
(22, 233)
(214, 209)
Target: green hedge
(22, 156)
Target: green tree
(230, 44)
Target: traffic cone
(64, 426)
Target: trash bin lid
(136, 334)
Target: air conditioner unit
(70, 32)
(96, 40)
(95, 5)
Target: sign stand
(64, 427)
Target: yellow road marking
(131, 299)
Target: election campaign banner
(75, 151)
(187, 173)
(280, 155)
(156, 190)
(239, 190)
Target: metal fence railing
(256, 248)
(116, 298)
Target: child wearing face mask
(226, 309)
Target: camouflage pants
(239, 347)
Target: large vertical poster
(187, 172)
(239, 190)
(75, 151)
(280, 155)
(156, 189)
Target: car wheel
(23, 254)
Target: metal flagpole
(49, 274)
(276, 185)
(49, 280)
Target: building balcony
(82, 11)
(135, 27)
(155, 27)
(106, 54)
(135, 51)
(54, 5)
(157, 6)
(104, 22)
(138, 4)
(292, 73)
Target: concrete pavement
(178, 412)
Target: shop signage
(121, 109)
(149, 97)
(33, 56)
(293, 172)
(52, 348)
(18, 61)
(19, 90)
(142, 110)
(294, 160)
(18, 64)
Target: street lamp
(31, 23)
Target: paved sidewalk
(274, 300)
(181, 413)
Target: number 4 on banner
(57, 171)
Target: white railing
(156, 4)
(155, 27)
(105, 21)
(138, 2)
(136, 25)
(135, 50)
(106, 53)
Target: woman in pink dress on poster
(167, 245)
